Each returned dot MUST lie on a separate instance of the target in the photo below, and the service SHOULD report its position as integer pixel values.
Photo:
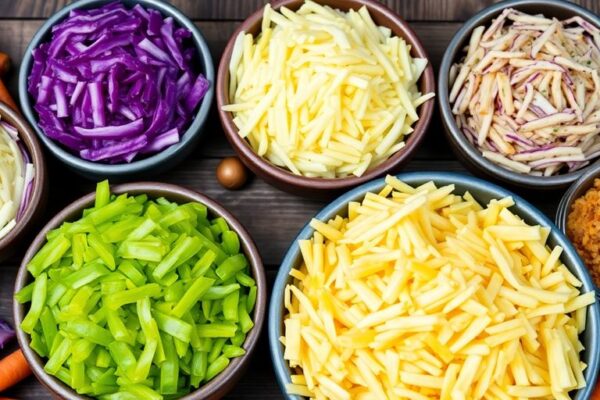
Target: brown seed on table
(231, 173)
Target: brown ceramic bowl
(223, 382)
(320, 187)
(37, 201)
(464, 150)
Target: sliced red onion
(518, 139)
(11, 130)
(537, 149)
(547, 162)
(575, 165)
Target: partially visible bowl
(575, 191)
(464, 150)
(39, 192)
(481, 191)
(320, 187)
(222, 383)
(154, 164)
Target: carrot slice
(13, 369)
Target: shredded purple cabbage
(115, 83)
(6, 334)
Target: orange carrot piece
(596, 393)
(13, 369)
(4, 65)
(6, 97)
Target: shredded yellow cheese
(322, 92)
(421, 293)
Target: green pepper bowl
(224, 381)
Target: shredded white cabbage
(15, 176)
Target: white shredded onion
(16, 174)
(527, 92)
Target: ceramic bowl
(465, 151)
(320, 187)
(481, 191)
(153, 164)
(222, 383)
(39, 191)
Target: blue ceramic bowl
(465, 151)
(151, 165)
(482, 191)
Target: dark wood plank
(410, 10)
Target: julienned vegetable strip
(114, 83)
(139, 298)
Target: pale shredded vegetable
(527, 93)
(323, 92)
(16, 175)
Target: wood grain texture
(410, 10)
(272, 217)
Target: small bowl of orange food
(578, 216)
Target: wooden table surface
(272, 217)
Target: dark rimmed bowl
(464, 150)
(575, 191)
(320, 187)
(223, 382)
(39, 194)
(153, 164)
(483, 192)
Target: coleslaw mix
(526, 93)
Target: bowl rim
(457, 138)
(263, 167)
(275, 313)
(573, 193)
(27, 135)
(136, 166)
(234, 370)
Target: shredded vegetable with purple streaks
(16, 178)
(114, 84)
(527, 92)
